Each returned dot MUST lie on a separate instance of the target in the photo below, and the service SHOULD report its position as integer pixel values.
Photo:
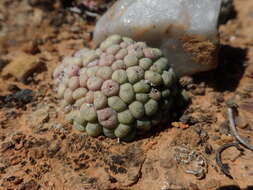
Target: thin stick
(234, 131)
(224, 167)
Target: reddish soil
(39, 150)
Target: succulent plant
(121, 89)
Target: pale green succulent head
(121, 89)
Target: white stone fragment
(185, 30)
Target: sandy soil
(39, 150)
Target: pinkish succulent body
(117, 89)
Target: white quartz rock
(185, 30)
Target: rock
(125, 164)
(42, 119)
(39, 116)
(18, 98)
(21, 66)
(185, 30)
(243, 120)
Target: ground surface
(38, 150)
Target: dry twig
(234, 131)
(224, 167)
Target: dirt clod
(21, 66)
(17, 99)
